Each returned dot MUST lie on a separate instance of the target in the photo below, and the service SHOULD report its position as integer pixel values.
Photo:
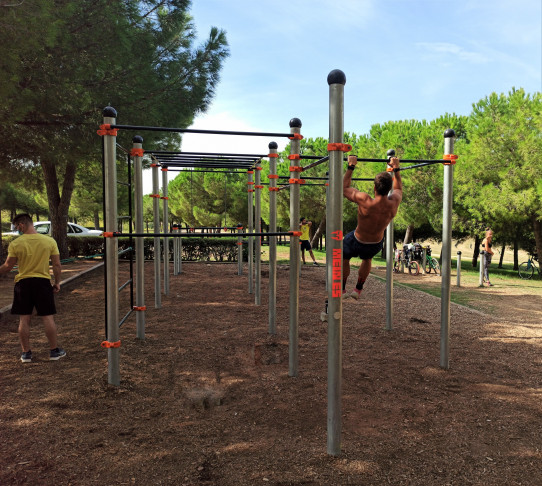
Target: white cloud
(447, 49)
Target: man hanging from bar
(374, 215)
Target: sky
(403, 59)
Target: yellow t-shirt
(33, 253)
(305, 228)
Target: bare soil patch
(206, 397)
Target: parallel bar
(193, 130)
(162, 152)
(314, 164)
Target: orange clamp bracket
(106, 130)
(155, 165)
(451, 157)
(259, 168)
(271, 189)
(343, 147)
(164, 197)
(110, 234)
(137, 152)
(297, 181)
(164, 169)
(295, 233)
(272, 156)
(155, 195)
(240, 243)
(296, 168)
(296, 136)
(294, 156)
(250, 182)
(327, 183)
(141, 308)
(258, 187)
(250, 172)
(108, 344)
(273, 176)
(250, 190)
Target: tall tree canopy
(62, 61)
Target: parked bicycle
(403, 259)
(430, 262)
(526, 269)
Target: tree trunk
(96, 219)
(59, 204)
(516, 254)
(409, 234)
(502, 255)
(476, 251)
(319, 231)
(537, 228)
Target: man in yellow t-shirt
(31, 252)
(304, 227)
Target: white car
(46, 228)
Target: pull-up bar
(218, 154)
(194, 130)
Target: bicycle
(526, 269)
(430, 262)
(403, 259)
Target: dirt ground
(206, 397)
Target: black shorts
(305, 245)
(33, 292)
(353, 248)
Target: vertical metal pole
(175, 249)
(156, 217)
(328, 254)
(272, 328)
(390, 238)
(139, 241)
(166, 229)
(111, 248)
(258, 228)
(459, 269)
(334, 238)
(293, 339)
(179, 252)
(250, 230)
(446, 252)
(424, 259)
(239, 250)
(482, 265)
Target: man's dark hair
(383, 183)
(301, 219)
(22, 218)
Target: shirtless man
(374, 215)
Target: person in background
(488, 253)
(31, 252)
(304, 227)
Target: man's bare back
(374, 214)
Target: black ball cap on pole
(110, 112)
(295, 123)
(137, 139)
(274, 145)
(449, 133)
(336, 77)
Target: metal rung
(123, 286)
(123, 320)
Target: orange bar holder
(296, 136)
(451, 157)
(110, 234)
(296, 168)
(137, 152)
(271, 189)
(273, 176)
(294, 156)
(258, 187)
(250, 190)
(343, 147)
(155, 195)
(108, 344)
(141, 308)
(272, 156)
(297, 181)
(250, 172)
(106, 130)
(295, 233)
(259, 168)
(155, 165)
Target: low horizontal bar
(218, 154)
(195, 235)
(193, 130)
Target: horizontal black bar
(195, 235)
(193, 130)
(429, 162)
(211, 227)
(325, 178)
(314, 164)
(183, 169)
(202, 157)
(208, 165)
(218, 154)
(124, 183)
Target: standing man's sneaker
(26, 357)
(316, 264)
(356, 293)
(345, 295)
(56, 353)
